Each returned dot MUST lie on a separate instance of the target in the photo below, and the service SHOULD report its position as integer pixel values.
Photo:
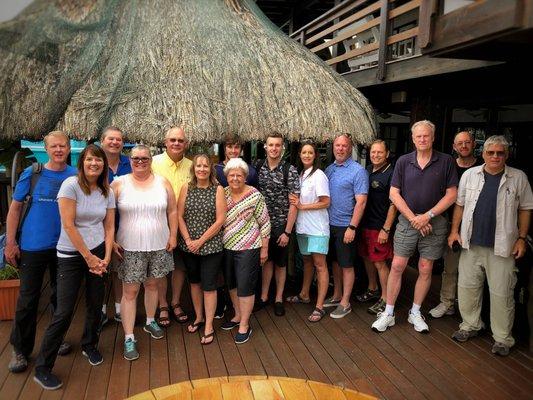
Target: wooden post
(425, 20)
(335, 48)
(383, 34)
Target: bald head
(176, 143)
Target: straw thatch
(212, 66)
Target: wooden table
(251, 388)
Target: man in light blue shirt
(348, 185)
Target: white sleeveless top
(143, 224)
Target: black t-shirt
(461, 170)
(484, 218)
(378, 203)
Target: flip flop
(316, 315)
(206, 337)
(180, 317)
(193, 328)
(297, 299)
(163, 322)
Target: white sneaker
(383, 322)
(418, 322)
(441, 310)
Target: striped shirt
(247, 221)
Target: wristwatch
(352, 227)
(522, 237)
(287, 233)
(431, 214)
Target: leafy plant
(8, 272)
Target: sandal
(316, 315)
(163, 322)
(180, 317)
(205, 339)
(297, 299)
(193, 328)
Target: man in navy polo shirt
(423, 187)
(112, 142)
(348, 186)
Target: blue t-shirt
(124, 168)
(42, 225)
(251, 179)
(484, 218)
(346, 181)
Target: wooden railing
(371, 32)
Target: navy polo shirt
(124, 168)
(378, 203)
(422, 189)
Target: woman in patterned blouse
(201, 214)
(246, 234)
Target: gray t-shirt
(90, 213)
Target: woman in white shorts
(312, 228)
(145, 239)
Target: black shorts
(177, 255)
(343, 253)
(278, 255)
(241, 270)
(203, 269)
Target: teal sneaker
(154, 330)
(130, 350)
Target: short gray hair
(496, 139)
(142, 147)
(235, 163)
(425, 122)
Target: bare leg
(337, 280)
(394, 282)
(117, 287)
(246, 305)
(281, 276)
(150, 296)
(383, 273)
(177, 280)
(236, 305)
(322, 277)
(128, 306)
(197, 297)
(308, 276)
(266, 275)
(348, 279)
(423, 282)
(210, 304)
(371, 273)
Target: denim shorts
(309, 244)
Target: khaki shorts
(407, 239)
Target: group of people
(227, 227)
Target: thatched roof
(212, 66)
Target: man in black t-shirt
(463, 144)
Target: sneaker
(279, 309)
(500, 349)
(418, 322)
(383, 322)
(154, 330)
(18, 363)
(331, 302)
(64, 349)
(130, 350)
(219, 313)
(241, 338)
(47, 380)
(229, 325)
(118, 317)
(341, 311)
(377, 308)
(441, 310)
(368, 295)
(462, 336)
(93, 355)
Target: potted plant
(9, 291)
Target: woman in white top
(312, 228)
(87, 209)
(146, 236)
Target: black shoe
(47, 380)
(279, 309)
(229, 325)
(64, 349)
(93, 355)
(259, 305)
(241, 338)
(18, 363)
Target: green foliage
(8, 272)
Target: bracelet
(352, 227)
(288, 234)
(189, 238)
(522, 237)
(387, 231)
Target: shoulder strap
(36, 169)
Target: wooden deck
(397, 364)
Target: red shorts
(370, 249)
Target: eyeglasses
(174, 140)
(138, 160)
(491, 153)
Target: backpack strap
(36, 169)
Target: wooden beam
(428, 8)
(383, 34)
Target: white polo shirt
(313, 222)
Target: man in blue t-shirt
(36, 250)
(112, 142)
